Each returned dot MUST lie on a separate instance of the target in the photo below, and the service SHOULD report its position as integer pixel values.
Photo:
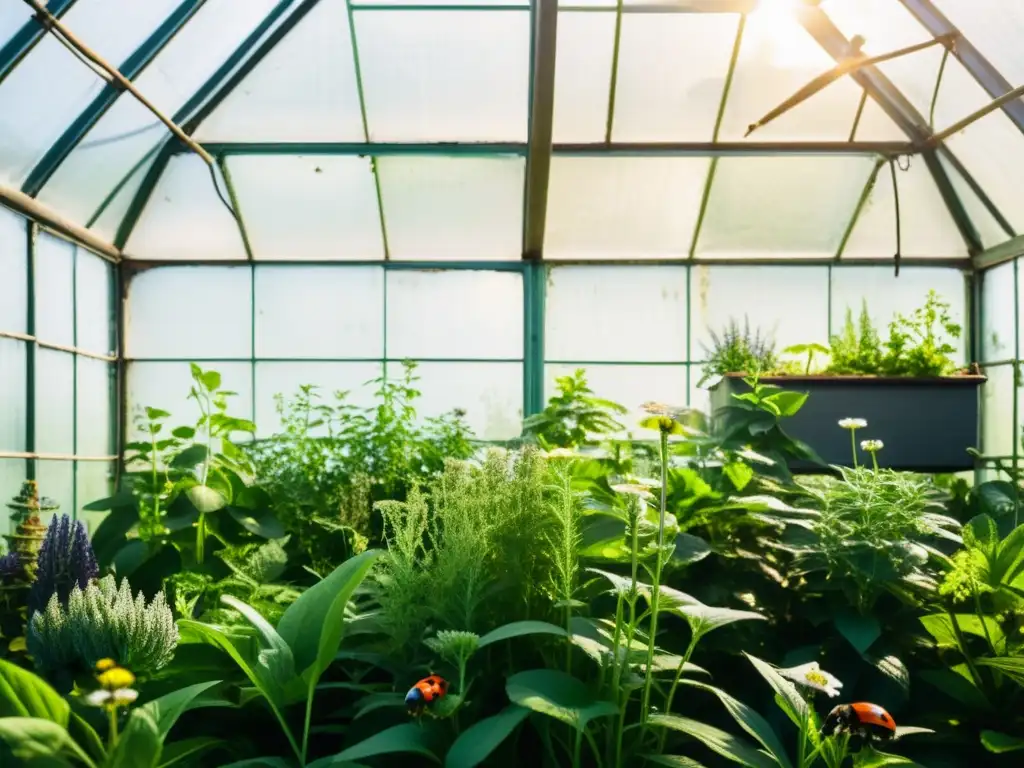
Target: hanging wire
(223, 199)
(903, 165)
(935, 93)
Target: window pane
(926, 227)
(583, 65)
(94, 303)
(274, 379)
(304, 90)
(461, 75)
(453, 207)
(12, 475)
(55, 402)
(13, 16)
(988, 228)
(95, 418)
(308, 208)
(623, 207)
(996, 29)
(106, 216)
(998, 430)
(616, 314)
(166, 385)
(185, 218)
(95, 481)
(57, 480)
(876, 125)
(55, 299)
(886, 295)
(781, 207)
(490, 393)
(455, 314)
(319, 312)
(217, 321)
(630, 386)
(767, 297)
(13, 275)
(12, 394)
(998, 334)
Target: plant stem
(287, 732)
(305, 727)
(962, 643)
(112, 734)
(853, 446)
(200, 538)
(655, 591)
(694, 639)
(874, 460)
(577, 748)
(984, 624)
(623, 703)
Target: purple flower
(66, 560)
(10, 566)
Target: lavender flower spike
(10, 566)
(66, 560)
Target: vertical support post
(122, 280)
(113, 378)
(542, 109)
(535, 278)
(32, 231)
(74, 382)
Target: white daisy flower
(853, 423)
(814, 677)
(871, 446)
(122, 697)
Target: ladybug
(862, 719)
(424, 693)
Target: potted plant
(907, 388)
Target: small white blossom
(813, 676)
(871, 446)
(853, 423)
(119, 698)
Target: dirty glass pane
(166, 385)
(304, 89)
(765, 297)
(988, 228)
(998, 430)
(461, 75)
(583, 66)
(185, 218)
(458, 314)
(216, 321)
(55, 403)
(308, 208)
(95, 385)
(623, 207)
(491, 394)
(13, 16)
(992, 151)
(55, 290)
(998, 334)
(439, 208)
(13, 357)
(13, 272)
(781, 207)
(57, 480)
(311, 312)
(667, 91)
(927, 228)
(94, 481)
(106, 218)
(620, 313)
(95, 281)
(274, 378)
(995, 27)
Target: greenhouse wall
(1000, 352)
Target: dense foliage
(587, 599)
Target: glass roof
(342, 130)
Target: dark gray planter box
(927, 425)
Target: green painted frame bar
(132, 67)
(677, 7)
(535, 280)
(25, 38)
(31, 232)
(1000, 254)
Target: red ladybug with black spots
(424, 693)
(869, 721)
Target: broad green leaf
(86, 737)
(860, 631)
(620, 584)
(690, 549)
(266, 762)
(1000, 743)
(140, 743)
(673, 761)
(192, 456)
(1011, 666)
(177, 751)
(869, 757)
(407, 737)
(739, 473)
(476, 743)
(893, 668)
(940, 626)
(166, 710)
(519, 629)
(767, 504)
(750, 721)
(205, 499)
(784, 688)
(379, 701)
(957, 683)
(258, 521)
(23, 694)
(313, 625)
(559, 695)
(701, 618)
(30, 738)
(717, 740)
(787, 403)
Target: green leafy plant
(738, 350)
(857, 350)
(919, 344)
(574, 416)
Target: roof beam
(1000, 254)
(132, 67)
(47, 217)
(542, 114)
(894, 103)
(981, 69)
(25, 39)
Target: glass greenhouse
(315, 192)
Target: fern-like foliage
(103, 621)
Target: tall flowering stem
(853, 425)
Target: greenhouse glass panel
(781, 207)
(94, 480)
(998, 331)
(13, 357)
(452, 208)
(623, 207)
(317, 208)
(583, 67)
(666, 91)
(875, 125)
(778, 57)
(113, 29)
(461, 75)
(54, 290)
(57, 480)
(94, 283)
(218, 323)
(765, 298)
(13, 273)
(985, 223)
(926, 227)
(304, 90)
(95, 381)
(13, 16)
(106, 219)
(995, 27)
(460, 314)
(185, 218)
(999, 433)
(616, 314)
(319, 312)
(55, 402)
(128, 131)
(886, 296)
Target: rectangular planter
(927, 424)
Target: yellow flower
(116, 678)
(103, 665)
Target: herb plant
(739, 350)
